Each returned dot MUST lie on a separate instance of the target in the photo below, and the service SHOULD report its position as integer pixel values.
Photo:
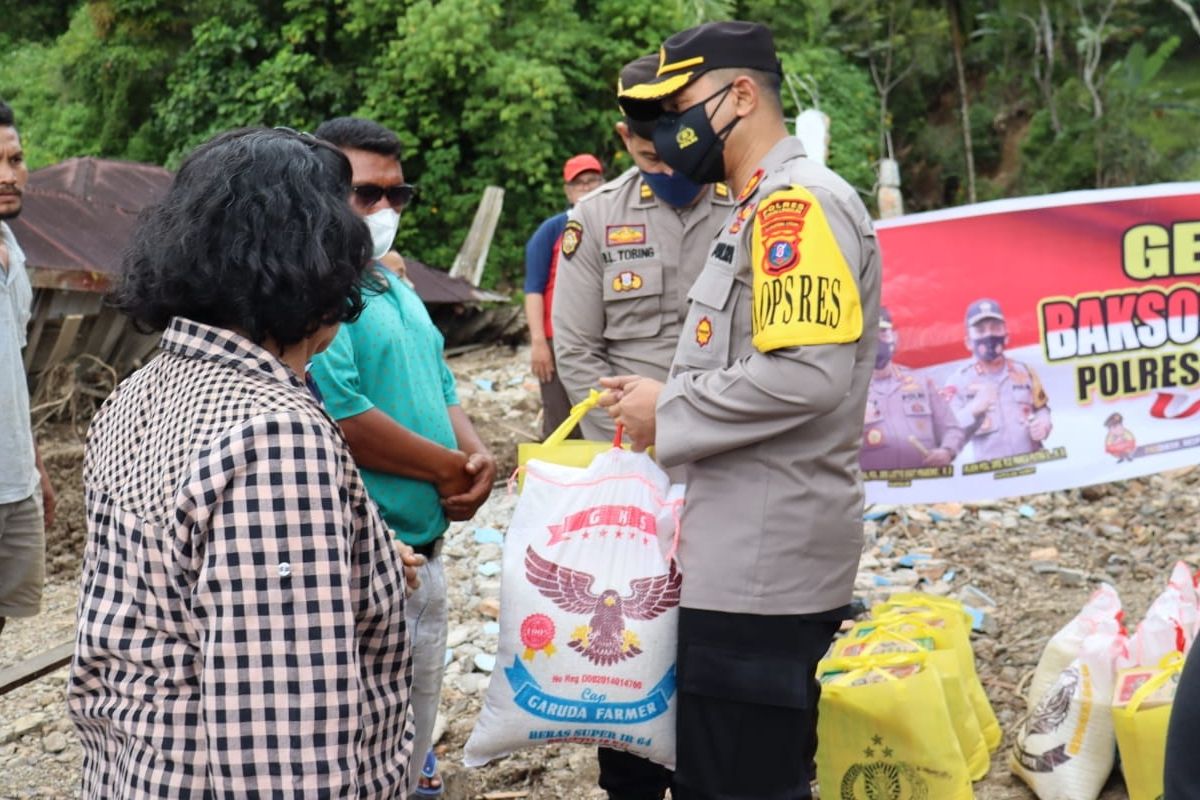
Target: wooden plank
(115, 329)
(33, 668)
(472, 256)
(62, 346)
(35, 334)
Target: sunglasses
(368, 194)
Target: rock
(54, 742)
(490, 607)
(23, 726)
(1044, 554)
(1072, 577)
(489, 552)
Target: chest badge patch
(704, 331)
(627, 281)
(571, 237)
(619, 235)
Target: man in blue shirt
(581, 174)
(383, 378)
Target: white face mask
(383, 225)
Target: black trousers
(1181, 773)
(746, 722)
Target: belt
(429, 549)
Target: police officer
(764, 406)
(999, 402)
(640, 241)
(908, 423)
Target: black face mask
(884, 353)
(988, 348)
(688, 144)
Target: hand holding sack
(588, 613)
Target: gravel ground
(1128, 534)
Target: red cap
(584, 162)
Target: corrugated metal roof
(78, 217)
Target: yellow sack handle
(854, 667)
(578, 412)
(1170, 665)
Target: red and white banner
(1040, 343)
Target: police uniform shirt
(905, 419)
(1003, 430)
(767, 391)
(627, 262)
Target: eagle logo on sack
(604, 640)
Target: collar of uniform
(786, 149)
(720, 194)
(208, 343)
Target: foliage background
(488, 92)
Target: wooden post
(472, 256)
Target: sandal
(430, 783)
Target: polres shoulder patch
(804, 290)
(572, 237)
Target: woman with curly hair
(241, 618)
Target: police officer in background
(908, 423)
(999, 402)
(764, 406)
(623, 280)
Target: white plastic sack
(1101, 614)
(1169, 625)
(588, 613)
(1065, 749)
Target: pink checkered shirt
(241, 615)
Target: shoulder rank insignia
(744, 213)
(571, 238)
(646, 192)
(721, 190)
(750, 186)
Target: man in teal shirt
(385, 381)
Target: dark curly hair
(255, 235)
(6, 115)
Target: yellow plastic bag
(883, 724)
(908, 634)
(558, 449)
(949, 613)
(1142, 731)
